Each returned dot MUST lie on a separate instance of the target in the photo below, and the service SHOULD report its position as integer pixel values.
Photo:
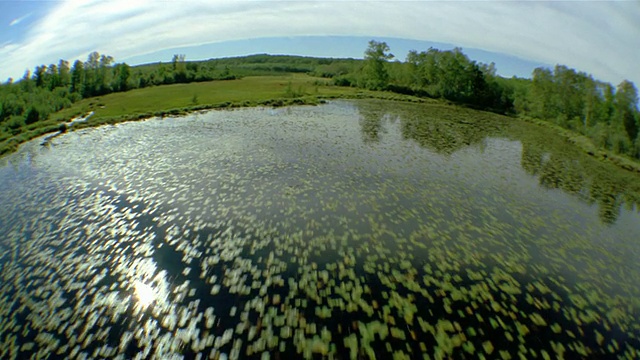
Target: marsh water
(354, 229)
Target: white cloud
(596, 37)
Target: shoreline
(587, 147)
(12, 144)
(87, 120)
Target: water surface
(347, 230)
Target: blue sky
(598, 37)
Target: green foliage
(636, 148)
(31, 116)
(14, 123)
(575, 101)
(345, 80)
(122, 73)
(77, 77)
(626, 111)
(375, 75)
(333, 68)
(451, 75)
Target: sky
(599, 37)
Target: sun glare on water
(145, 294)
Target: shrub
(32, 115)
(345, 80)
(14, 124)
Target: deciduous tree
(376, 56)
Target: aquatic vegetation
(252, 232)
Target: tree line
(574, 100)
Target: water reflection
(371, 124)
(555, 164)
(438, 128)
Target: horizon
(346, 47)
(598, 38)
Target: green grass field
(247, 91)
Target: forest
(574, 100)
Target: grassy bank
(251, 91)
(587, 146)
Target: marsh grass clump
(289, 91)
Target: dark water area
(351, 230)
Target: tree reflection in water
(556, 164)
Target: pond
(350, 230)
